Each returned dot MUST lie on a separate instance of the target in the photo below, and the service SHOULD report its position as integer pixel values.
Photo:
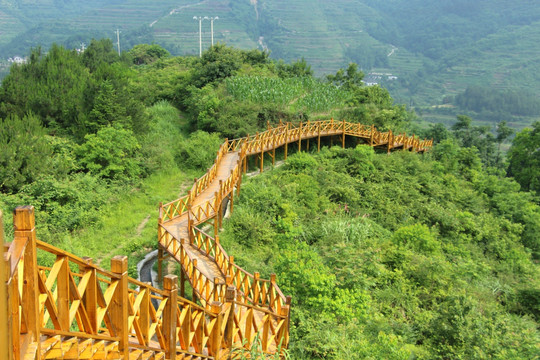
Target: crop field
(298, 94)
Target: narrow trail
(178, 9)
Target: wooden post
(219, 210)
(390, 141)
(12, 334)
(119, 304)
(5, 344)
(193, 288)
(62, 288)
(182, 283)
(343, 139)
(284, 332)
(160, 264)
(318, 136)
(25, 232)
(238, 184)
(372, 135)
(286, 139)
(300, 138)
(256, 277)
(144, 313)
(90, 295)
(216, 339)
(262, 161)
(169, 315)
(230, 295)
(272, 294)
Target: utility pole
(212, 27)
(200, 18)
(118, 40)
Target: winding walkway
(70, 308)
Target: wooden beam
(5, 344)
(318, 136)
(343, 139)
(120, 303)
(25, 232)
(182, 283)
(286, 140)
(90, 294)
(169, 315)
(300, 138)
(160, 264)
(216, 336)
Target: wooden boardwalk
(76, 310)
(179, 228)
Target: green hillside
(428, 51)
(386, 256)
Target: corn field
(297, 94)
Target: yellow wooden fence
(73, 309)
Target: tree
(298, 68)
(144, 54)
(111, 154)
(477, 136)
(217, 63)
(50, 86)
(24, 151)
(349, 79)
(524, 158)
(438, 132)
(107, 109)
(99, 52)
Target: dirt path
(178, 9)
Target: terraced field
(384, 37)
(10, 26)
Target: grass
(127, 227)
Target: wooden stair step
(159, 356)
(112, 350)
(100, 351)
(50, 347)
(135, 354)
(86, 350)
(148, 355)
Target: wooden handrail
(252, 292)
(76, 301)
(82, 301)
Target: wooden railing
(74, 309)
(259, 295)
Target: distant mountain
(424, 51)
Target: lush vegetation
(396, 257)
(437, 50)
(385, 256)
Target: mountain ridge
(438, 49)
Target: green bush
(111, 154)
(198, 151)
